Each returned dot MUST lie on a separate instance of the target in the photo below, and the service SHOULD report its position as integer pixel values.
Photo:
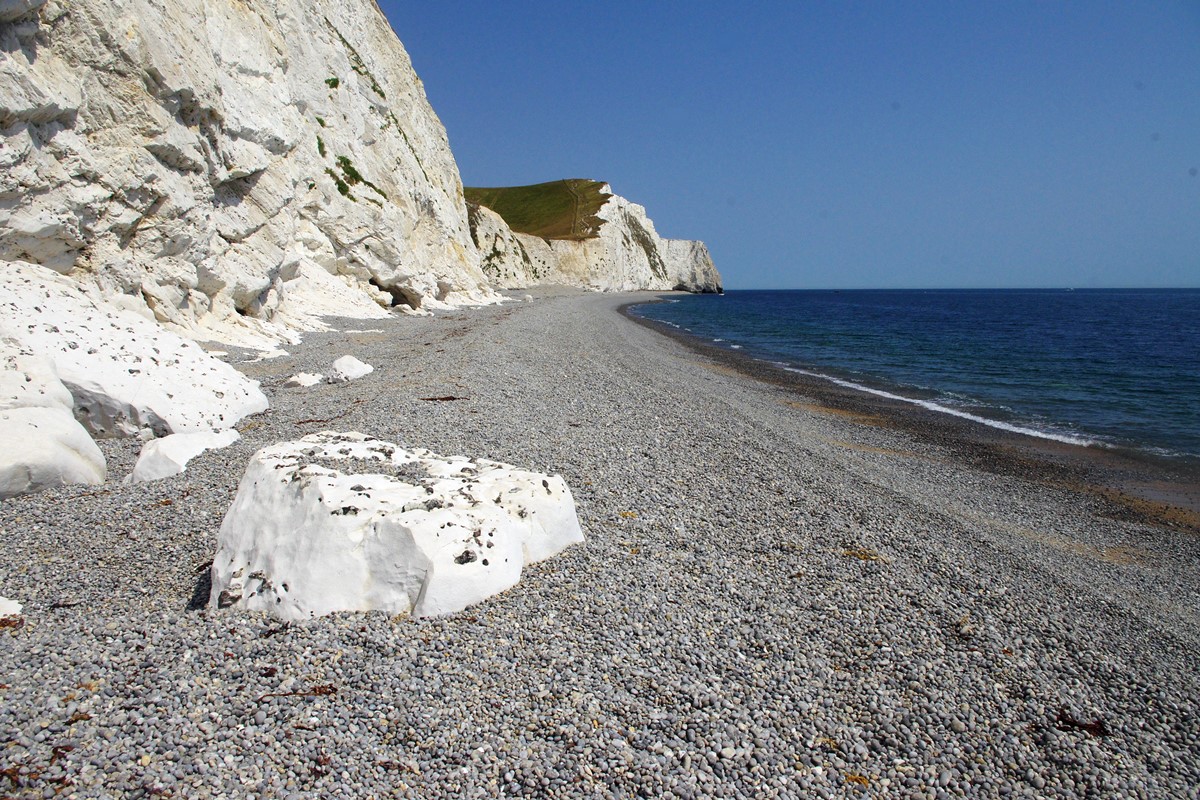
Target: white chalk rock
(304, 379)
(9, 608)
(41, 443)
(161, 458)
(125, 372)
(267, 355)
(344, 522)
(45, 447)
(348, 368)
(238, 168)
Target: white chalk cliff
(228, 162)
(627, 254)
(230, 165)
(235, 171)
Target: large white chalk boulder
(161, 458)
(45, 447)
(345, 522)
(348, 368)
(41, 443)
(126, 372)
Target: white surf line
(932, 406)
(928, 404)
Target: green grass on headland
(557, 210)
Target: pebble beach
(777, 597)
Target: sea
(1110, 368)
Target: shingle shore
(771, 601)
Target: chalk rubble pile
(101, 370)
(41, 442)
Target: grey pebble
(746, 649)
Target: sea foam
(954, 412)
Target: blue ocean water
(1110, 368)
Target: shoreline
(1134, 485)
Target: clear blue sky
(847, 145)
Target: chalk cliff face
(231, 170)
(239, 168)
(626, 255)
(228, 162)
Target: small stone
(348, 368)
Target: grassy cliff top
(556, 210)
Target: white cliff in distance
(621, 252)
